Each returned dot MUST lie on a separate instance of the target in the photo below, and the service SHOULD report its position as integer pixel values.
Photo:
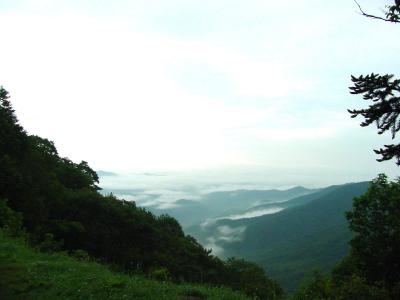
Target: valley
(289, 232)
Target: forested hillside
(290, 243)
(62, 209)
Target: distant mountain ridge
(224, 203)
(102, 173)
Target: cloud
(212, 244)
(224, 234)
(255, 213)
(230, 234)
(153, 174)
(208, 223)
(165, 199)
(152, 189)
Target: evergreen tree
(384, 92)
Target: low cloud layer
(224, 234)
(255, 213)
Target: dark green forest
(61, 209)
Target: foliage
(356, 287)
(347, 283)
(10, 221)
(81, 255)
(375, 221)
(393, 13)
(315, 288)
(160, 274)
(384, 92)
(252, 279)
(28, 274)
(170, 225)
(49, 244)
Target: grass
(29, 274)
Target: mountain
(187, 212)
(102, 173)
(236, 201)
(224, 203)
(310, 234)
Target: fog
(162, 189)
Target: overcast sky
(189, 84)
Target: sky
(237, 87)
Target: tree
(251, 278)
(384, 92)
(316, 287)
(12, 135)
(6, 107)
(375, 222)
(13, 149)
(10, 221)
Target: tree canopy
(375, 222)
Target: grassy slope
(28, 274)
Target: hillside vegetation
(29, 274)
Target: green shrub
(10, 221)
(356, 288)
(318, 287)
(193, 294)
(80, 255)
(160, 274)
(49, 244)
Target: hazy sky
(180, 84)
